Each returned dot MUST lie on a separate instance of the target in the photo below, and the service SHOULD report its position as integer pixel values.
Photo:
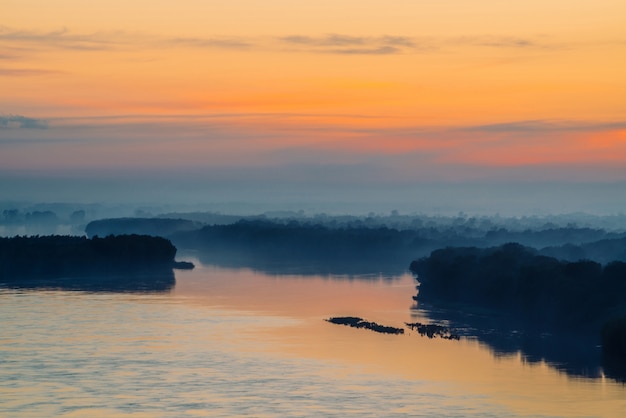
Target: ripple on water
(86, 354)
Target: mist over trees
(142, 226)
(43, 220)
(354, 245)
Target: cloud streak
(491, 41)
(21, 122)
(341, 44)
(26, 72)
(535, 126)
(236, 141)
(63, 39)
(218, 42)
(339, 40)
(333, 43)
(350, 45)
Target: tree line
(544, 292)
(58, 256)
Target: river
(237, 342)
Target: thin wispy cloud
(21, 122)
(383, 50)
(218, 42)
(522, 126)
(350, 45)
(338, 40)
(333, 43)
(4, 56)
(533, 126)
(492, 41)
(26, 72)
(63, 39)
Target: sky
(485, 103)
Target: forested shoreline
(538, 293)
(115, 262)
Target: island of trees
(539, 292)
(135, 261)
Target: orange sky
(451, 84)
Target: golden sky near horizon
(449, 83)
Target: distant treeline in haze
(327, 237)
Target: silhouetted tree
(516, 279)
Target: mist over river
(234, 342)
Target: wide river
(235, 342)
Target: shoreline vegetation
(538, 294)
(120, 262)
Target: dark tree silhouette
(54, 260)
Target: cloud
(533, 126)
(63, 38)
(26, 72)
(8, 57)
(332, 43)
(498, 41)
(393, 44)
(225, 43)
(398, 41)
(342, 40)
(99, 41)
(338, 40)
(21, 122)
(351, 45)
(383, 50)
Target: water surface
(232, 342)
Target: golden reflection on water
(237, 342)
(464, 366)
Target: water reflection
(159, 281)
(577, 354)
(359, 268)
(76, 354)
(297, 295)
(465, 367)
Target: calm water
(227, 342)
